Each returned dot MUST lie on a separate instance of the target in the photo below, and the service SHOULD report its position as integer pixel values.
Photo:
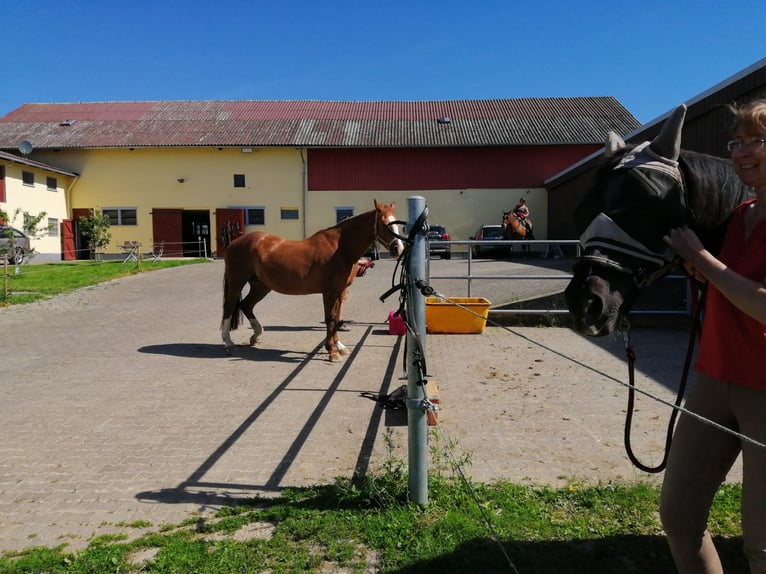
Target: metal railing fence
(552, 250)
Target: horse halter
(382, 240)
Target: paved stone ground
(119, 404)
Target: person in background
(521, 211)
(730, 383)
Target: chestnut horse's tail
(236, 311)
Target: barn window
(51, 183)
(53, 227)
(255, 216)
(289, 212)
(342, 213)
(121, 215)
(239, 180)
(27, 178)
(2, 183)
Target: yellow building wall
(149, 178)
(275, 178)
(35, 199)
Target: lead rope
(631, 357)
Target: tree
(95, 230)
(32, 224)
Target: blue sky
(651, 55)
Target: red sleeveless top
(733, 344)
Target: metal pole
(417, 442)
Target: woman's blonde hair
(751, 116)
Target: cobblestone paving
(120, 404)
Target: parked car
(438, 233)
(489, 233)
(14, 245)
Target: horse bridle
(648, 267)
(377, 237)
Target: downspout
(304, 192)
(68, 195)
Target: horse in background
(514, 229)
(324, 263)
(640, 194)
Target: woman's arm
(747, 295)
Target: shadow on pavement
(217, 351)
(196, 490)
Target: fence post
(417, 427)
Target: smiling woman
(730, 388)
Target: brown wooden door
(166, 228)
(229, 224)
(68, 244)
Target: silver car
(14, 245)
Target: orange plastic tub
(444, 316)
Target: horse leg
(257, 292)
(232, 293)
(333, 308)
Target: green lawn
(34, 282)
(367, 526)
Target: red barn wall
(415, 169)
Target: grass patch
(367, 525)
(36, 282)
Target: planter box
(445, 317)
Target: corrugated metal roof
(313, 123)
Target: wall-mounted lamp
(180, 180)
(247, 150)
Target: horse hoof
(341, 349)
(253, 340)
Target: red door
(68, 245)
(229, 224)
(166, 228)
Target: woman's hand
(688, 246)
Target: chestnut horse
(514, 228)
(324, 263)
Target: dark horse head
(640, 194)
